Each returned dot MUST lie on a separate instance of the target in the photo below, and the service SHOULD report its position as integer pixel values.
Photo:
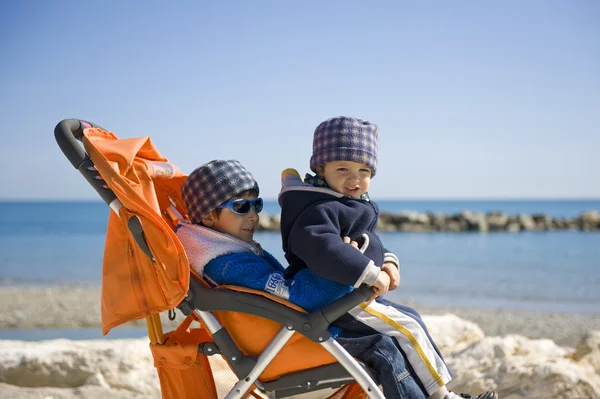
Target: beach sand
(76, 306)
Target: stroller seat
(269, 343)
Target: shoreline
(73, 306)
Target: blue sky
(473, 99)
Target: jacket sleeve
(390, 257)
(249, 270)
(312, 292)
(316, 239)
(308, 290)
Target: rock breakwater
(470, 222)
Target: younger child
(334, 203)
(221, 199)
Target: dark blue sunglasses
(242, 206)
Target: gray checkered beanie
(212, 184)
(345, 139)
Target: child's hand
(382, 284)
(348, 240)
(392, 271)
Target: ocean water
(45, 243)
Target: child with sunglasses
(316, 212)
(222, 203)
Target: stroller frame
(203, 301)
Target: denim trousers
(382, 354)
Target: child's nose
(354, 175)
(252, 215)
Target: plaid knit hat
(345, 139)
(212, 184)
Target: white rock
(588, 350)
(98, 380)
(451, 333)
(518, 367)
(123, 364)
(87, 392)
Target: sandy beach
(498, 340)
(76, 306)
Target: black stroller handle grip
(339, 307)
(68, 134)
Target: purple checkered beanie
(212, 184)
(345, 139)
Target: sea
(52, 243)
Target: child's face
(347, 177)
(239, 226)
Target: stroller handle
(341, 306)
(68, 134)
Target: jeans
(382, 354)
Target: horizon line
(33, 200)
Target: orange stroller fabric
(134, 287)
(183, 371)
(252, 334)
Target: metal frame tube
(240, 389)
(116, 206)
(355, 370)
(210, 320)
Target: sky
(474, 99)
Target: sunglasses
(242, 206)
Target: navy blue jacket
(314, 221)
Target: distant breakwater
(469, 221)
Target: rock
(527, 223)
(542, 221)
(119, 364)
(386, 226)
(451, 333)
(518, 367)
(466, 221)
(98, 380)
(410, 217)
(474, 221)
(438, 221)
(588, 350)
(560, 223)
(396, 219)
(497, 221)
(591, 217)
(513, 227)
(453, 225)
(385, 223)
(87, 392)
(265, 222)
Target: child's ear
(209, 220)
(321, 170)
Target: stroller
(273, 348)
